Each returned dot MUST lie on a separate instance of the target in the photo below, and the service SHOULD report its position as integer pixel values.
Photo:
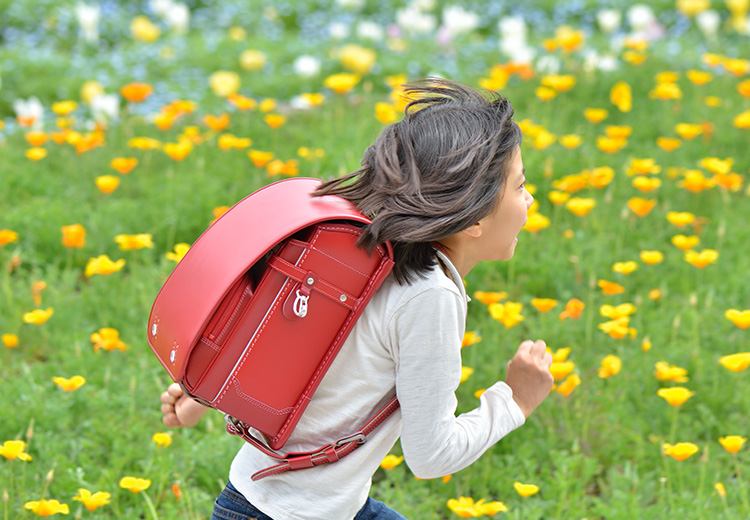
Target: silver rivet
(154, 328)
(310, 281)
(342, 297)
(172, 355)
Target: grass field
(610, 193)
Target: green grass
(594, 454)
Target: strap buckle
(359, 437)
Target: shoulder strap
(323, 455)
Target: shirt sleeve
(426, 334)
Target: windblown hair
(434, 173)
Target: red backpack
(254, 314)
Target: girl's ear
(474, 231)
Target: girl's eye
(522, 186)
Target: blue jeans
(231, 505)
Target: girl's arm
(180, 410)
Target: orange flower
(274, 120)
(666, 372)
(178, 151)
(573, 309)
(107, 183)
(699, 77)
(260, 159)
(136, 92)
(610, 288)
(470, 338)
(216, 123)
(69, 385)
(123, 165)
(107, 339)
(36, 138)
(595, 115)
(279, 167)
(680, 451)
(580, 207)
(536, 222)
(646, 184)
(702, 259)
(618, 328)
(10, 340)
(668, 144)
(7, 237)
(566, 387)
(640, 206)
(489, 298)
(741, 319)
(544, 304)
(611, 366)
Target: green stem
(740, 482)
(150, 506)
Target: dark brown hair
(434, 173)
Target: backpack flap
(224, 253)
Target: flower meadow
(126, 128)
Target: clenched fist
(528, 375)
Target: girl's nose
(529, 199)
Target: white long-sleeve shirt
(407, 342)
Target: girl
(446, 187)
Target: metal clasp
(359, 437)
(300, 305)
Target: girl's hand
(178, 409)
(528, 375)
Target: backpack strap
(324, 455)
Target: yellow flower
(108, 339)
(595, 115)
(702, 259)
(36, 138)
(179, 252)
(646, 344)
(92, 502)
(386, 113)
(229, 141)
(558, 197)
(665, 91)
(465, 507)
(12, 450)
(74, 236)
(252, 60)
(162, 439)
(545, 93)
(123, 165)
(63, 108)
(573, 309)
(680, 451)
(525, 490)
(136, 485)
(736, 362)
(466, 373)
(646, 184)
(47, 507)
(391, 461)
(560, 354)
(676, 395)
(613, 313)
(742, 120)
(611, 366)
(260, 159)
(536, 222)
(618, 328)
(36, 154)
(666, 372)
(680, 218)
(641, 206)
(668, 144)
(699, 77)
(144, 30)
(144, 143)
(571, 141)
(684, 242)
(580, 207)
(103, 265)
(38, 316)
(10, 340)
(732, 443)
(625, 267)
(509, 313)
(359, 60)
(719, 487)
(341, 83)
(688, 131)
(178, 151)
(621, 96)
(609, 144)
(223, 83)
(561, 369)
(566, 387)
(134, 242)
(7, 237)
(651, 257)
(470, 338)
(740, 318)
(69, 385)
(107, 183)
(543, 304)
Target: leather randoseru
(256, 311)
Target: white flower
(88, 19)
(708, 22)
(414, 21)
(458, 21)
(105, 108)
(424, 5)
(31, 107)
(640, 17)
(370, 31)
(548, 64)
(351, 4)
(338, 30)
(513, 27)
(160, 7)
(608, 20)
(307, 66)
(594, 61)
(517, 50)
(178, 17)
